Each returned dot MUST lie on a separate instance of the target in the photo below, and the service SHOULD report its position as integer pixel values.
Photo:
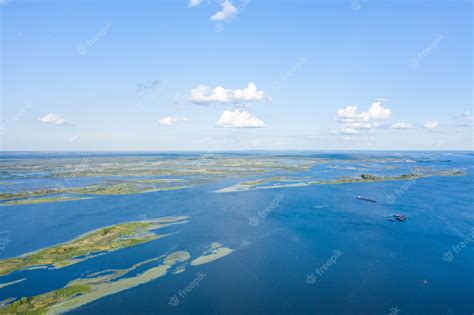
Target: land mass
(362, 178)
(103, 240)
(85, 290)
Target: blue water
(384, 264)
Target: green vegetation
(263, 181)
(102, 240)
(158, 166)
(33, 201)
(363, 178)
(201, 169)
(370, 177)
(118, 189)
(40, 303)
(127, 188)
(28, 194)
(85, 290)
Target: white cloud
(171, 121)
(168, 121)
(203, 94)
(431, 124)
(376, 112)
(402, 125)
(354, 121)
(52, 119)
(465, 120)
(228, 9)
(239, 119)
(194, 3)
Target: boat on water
(398, 217)
(366, 199)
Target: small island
(33, 201)
(213, 252)
(93, 243)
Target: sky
(236, 75)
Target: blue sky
(140, 75)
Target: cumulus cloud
(52, 119)
(228, 10)
(171, 121)
(239, 119)
(204, 95)
(354, 121)
(376, 112)
(431, 124)
(168, 121)
(194, 3)
(402, 125)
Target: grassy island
(58, 194)
(84, 247)
(362, 178)
(33, 201)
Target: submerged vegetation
(186, 172)
(82, 291)
(213, 252)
